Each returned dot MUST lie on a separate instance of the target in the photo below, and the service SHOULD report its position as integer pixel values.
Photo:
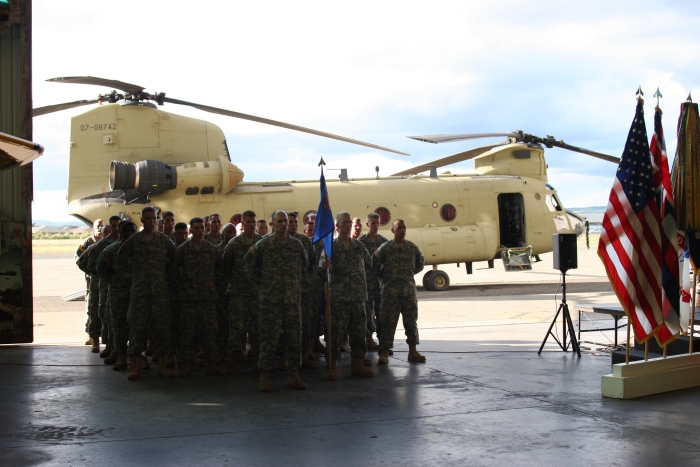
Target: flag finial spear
(639, 94)
(658, 95)
(322, 162)
(690, 98)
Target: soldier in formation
(372, 240)
(84, 245)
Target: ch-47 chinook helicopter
(124, 156)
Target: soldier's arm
(93, 256)
(378, 263)
(420, 261)
(104, 267)
(368, 260)
(253, 263)
(306, 265)
(228, 260)
(82, 261)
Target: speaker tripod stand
(567, 324)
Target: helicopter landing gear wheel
(426, 278)
(437, 281)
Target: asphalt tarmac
(484, 396)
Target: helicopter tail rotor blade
(436, 139)
(56, 107)
(449, 160)
(267, 121)
(109, 83)
(599, 155)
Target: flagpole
(692, 313)
(627, 346)
(329, 336)
(646, 351)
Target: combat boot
(95, 345)
(88, 341)
(293, 380)
(234, 367)
(332, 372)
(318, 347)
(106, 352)
(120, 364)
(170, 361)
(135, 372)
(391, 352)
(414, 356)
(163, 371)
(265, 381)
(358, 369)
(214, 370)
(371, 343)
(112, 359)
(306, 363)
(383, 357)
(184, 370)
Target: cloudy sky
(377, 72)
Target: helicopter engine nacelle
(155, 177)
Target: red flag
(670, 253)
(630, 239)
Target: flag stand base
(643, 378)
(567, 325)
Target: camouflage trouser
(222, 323)
(273, 318)
(318, 301)
(95, 326)
(198, 318)
(348, 317)
(373, 303)
(119, 307)
(175, 306)
(243, 311)
(308, 307)
(153, 311)
(392, 306)
(87, 301)
(103, 311)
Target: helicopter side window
(448, 212)
(384, 215)
(553, 203)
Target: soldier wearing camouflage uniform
(307, 306)
(94, 323)
(169, 224)
(198, 262)
(224, 299)
(84, 245)
(373, 240)
(148, 254)
(318, 297)
(348, 267)
(244, 305)
(214, 235)
(396, 262)
(277, 264)
(103, 304)
(119, 278)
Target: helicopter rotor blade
(563, 145)
(436, 139)
(109, 83)
(449, 160)
(57, 107)
(230, 113)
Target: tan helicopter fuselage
(506, 203)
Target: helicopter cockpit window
(553, 203)
(384, 215)
(448, 212)
(310, 216)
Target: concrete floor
(484, 397)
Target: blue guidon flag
(631, 238)
(325, 224)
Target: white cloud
(50, 205)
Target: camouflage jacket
(197, 271)
(84, 245)
(214, 241)
(348, 270)
(373, 282)
(94, 254)
(318, 280)
(278, 269)
(82, 260)
(148, 263)
(396, 265)
(311, 255)
(109, 270)
(233, 266)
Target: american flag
(630, 239)
(670, 265)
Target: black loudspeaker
(564, 250)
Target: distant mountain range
(57, 225)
